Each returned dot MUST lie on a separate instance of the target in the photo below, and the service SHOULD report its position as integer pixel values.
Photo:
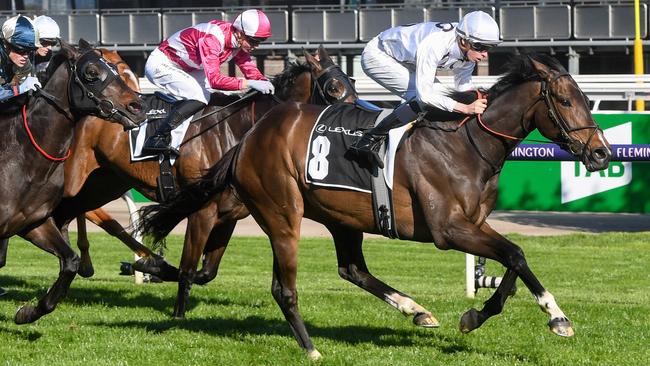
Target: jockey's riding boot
(161, 139)
(366, 149)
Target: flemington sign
(555, 184)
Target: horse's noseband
(575, 146)
(327, 77)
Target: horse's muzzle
(597, 159)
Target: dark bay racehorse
(445, 186)
(101, 170)
(98, 216)
(36, 142)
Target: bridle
(320, 84)
(92, 89)
(576, 147)
(104, 108)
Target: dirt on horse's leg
(353, 268)
(4, 243)
(149, 262)
(49, 238)
(467, 237)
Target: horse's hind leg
(199, 226)
(214, 251)
(49, 238)
(352, 267)
(467, 237)
(149, 261)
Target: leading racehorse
(445, 186)
(36, 140)
(101, 170)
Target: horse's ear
(311, 60)
(322, 53)
(67, 49)
(84, 45)
(543, 70)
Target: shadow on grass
(29, 291)
(351, 334)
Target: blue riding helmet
(20, 33)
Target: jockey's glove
(30, 83)
(263, 86)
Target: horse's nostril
(135, 107)
(601, 153)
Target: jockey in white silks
(187, 65)
(405, 59)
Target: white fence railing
(599, 88)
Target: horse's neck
(51, 126)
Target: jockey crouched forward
(187, 64)
(19, 41)
(405, 59)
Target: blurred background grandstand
(588, 36)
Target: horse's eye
(91, 73)
(565, 102)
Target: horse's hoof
(425, 320)
(561, 327)
(86, 272)
(469, 321)
(26, 314)
(157, 266)
(314, 354)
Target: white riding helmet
(479, 27)
(47, 27)
(254, 23)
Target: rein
(244, 98)
(33, 140)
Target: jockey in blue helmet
(19, 41)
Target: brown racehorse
(100, 170)
(37, 141)
(445, 186)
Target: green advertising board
(567, 186)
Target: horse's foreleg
(352, 267)
(149, 262)
(85, 265)
(47, 237)
(467, 237)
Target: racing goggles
(254, 41)
(480, 47)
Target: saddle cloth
(337, 127)
(158, 107)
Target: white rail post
(469, 276)
(133, 215)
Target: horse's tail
(157, 221)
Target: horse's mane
(518, 70)
(283, 82)
(56, 61)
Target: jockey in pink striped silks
(187, 65)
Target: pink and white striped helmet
(253, 23)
